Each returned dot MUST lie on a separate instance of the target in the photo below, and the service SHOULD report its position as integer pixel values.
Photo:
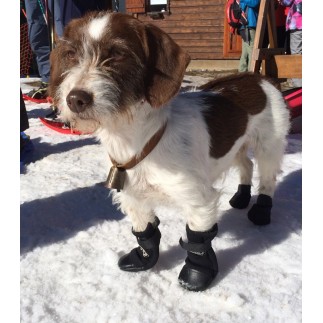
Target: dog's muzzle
(79, 100)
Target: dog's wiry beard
(77, 123)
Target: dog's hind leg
(268, 156)
(241, 198)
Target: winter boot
(259, 214)
(146, 255)
(201, 265)
(241, 199)
(40, 93)
(53, 114)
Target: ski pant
(38, 33)
(296, 49)
(71, 9)
(247, 48)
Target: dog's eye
(117, 55)
(71, 54)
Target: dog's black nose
(79, 100)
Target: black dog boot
(146, 255)
(259, 214)
(241, 199)
(201, 265)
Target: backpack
(236, 17)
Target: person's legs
(296, 49)
(246, 54)
(38, 37)
(55, 8)
(243, 63)
(71, 9)
(296, 42)
(252, 33)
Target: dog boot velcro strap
(201, 264)
(241, 198)
(199, 248)
(146, 255)
(260, 212)
(152, 242)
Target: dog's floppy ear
(167, 63)
(55, 71)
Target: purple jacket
(294, 17)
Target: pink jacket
(294, 17)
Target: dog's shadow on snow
(44, 149)
(57, 218)
(250, 239)
(294, 146)
(39, 113)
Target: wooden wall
(196, 25)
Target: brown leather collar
(150, 145)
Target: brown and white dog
(112, 74)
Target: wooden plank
(188, 10)
(170, 21)
(201, 50)
(195, 3)
(259, 36)
(200, 43)
(185, 23)
(210, 36)
(135, 6)
(185, 30)
(283, 66)
(184, 18)
(197, 49)
(192, 16)
(206, 55)
(135, 3)
(271, 23)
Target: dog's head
(106, 62)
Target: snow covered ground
(72, 237)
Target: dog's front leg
(201, 264)
(145, 229)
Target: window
(158, 5)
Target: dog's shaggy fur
(112, 74)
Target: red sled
(293, 99)
(61, 127)
(28, 98)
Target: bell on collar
(116, 178)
